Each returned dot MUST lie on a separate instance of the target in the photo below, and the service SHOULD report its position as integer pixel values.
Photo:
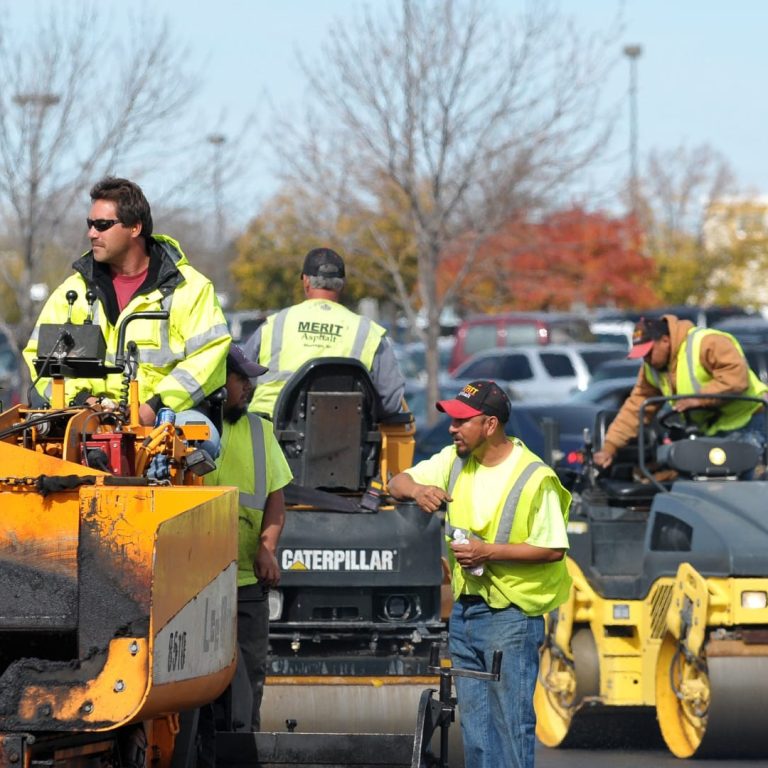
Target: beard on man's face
(233, 413)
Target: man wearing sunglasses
(181, 360)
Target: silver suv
(539, 373)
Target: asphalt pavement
(636, 758)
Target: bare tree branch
(470, 118)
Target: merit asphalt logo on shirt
(320, 331)
(339, 560)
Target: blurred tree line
(438, 151)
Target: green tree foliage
(679, 188)
(377, 247)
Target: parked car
(608, 394)
(616, 369)
(706, 317)
(243, 322)
(416, 398)
(747, 330)
(757, 357)
(535, 373)
(10, 370)
(510, 329)
(527, 422)
(412, 358)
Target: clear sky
(701, 73)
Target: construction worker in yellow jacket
(321, 327)
(128, 269)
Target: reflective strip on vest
(257, 499)
(199, 341)
(510, 504)
(456, 467)
(692, 364)
(189, 384)
(513, 498)
(278, 329)
(363, 328)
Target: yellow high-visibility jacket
(182, 360)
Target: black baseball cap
(647, 331)
(237, 362)
(323, 262)
(478, 397)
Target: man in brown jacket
(681, 359)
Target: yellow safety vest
(535, 588)
(243, 464)
(315, 328)
(692, 376)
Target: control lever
(71, 297)
(162, 314)
(90, 297)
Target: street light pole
(34, 107)
(633, 53)
(217, 140)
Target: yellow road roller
(665, 633)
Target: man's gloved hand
(159, 468)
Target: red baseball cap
(647, 331)
(478, 397)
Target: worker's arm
(265, 565)
(624, 427)
(429, 497)
(475, 552)
(547, 539)
(387, 378)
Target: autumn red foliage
(569, 259)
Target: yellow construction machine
(117, 591)
(666, 629)
(119, 598)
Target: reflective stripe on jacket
(692, 377)
(535, 588)
(181, 359)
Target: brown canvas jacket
(718, 354)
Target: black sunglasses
(101, 225)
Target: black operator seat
(326, 421)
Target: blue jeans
(497, 719)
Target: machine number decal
(339, 560)
(200, 639)
(177, 646)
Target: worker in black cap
(680, 358)
(506, 521)
(251, 460)
(321, 327)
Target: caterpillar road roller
(362, 597)
(666, 627)
(118, 598)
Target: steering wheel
(680, 424)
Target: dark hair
(132, 206)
